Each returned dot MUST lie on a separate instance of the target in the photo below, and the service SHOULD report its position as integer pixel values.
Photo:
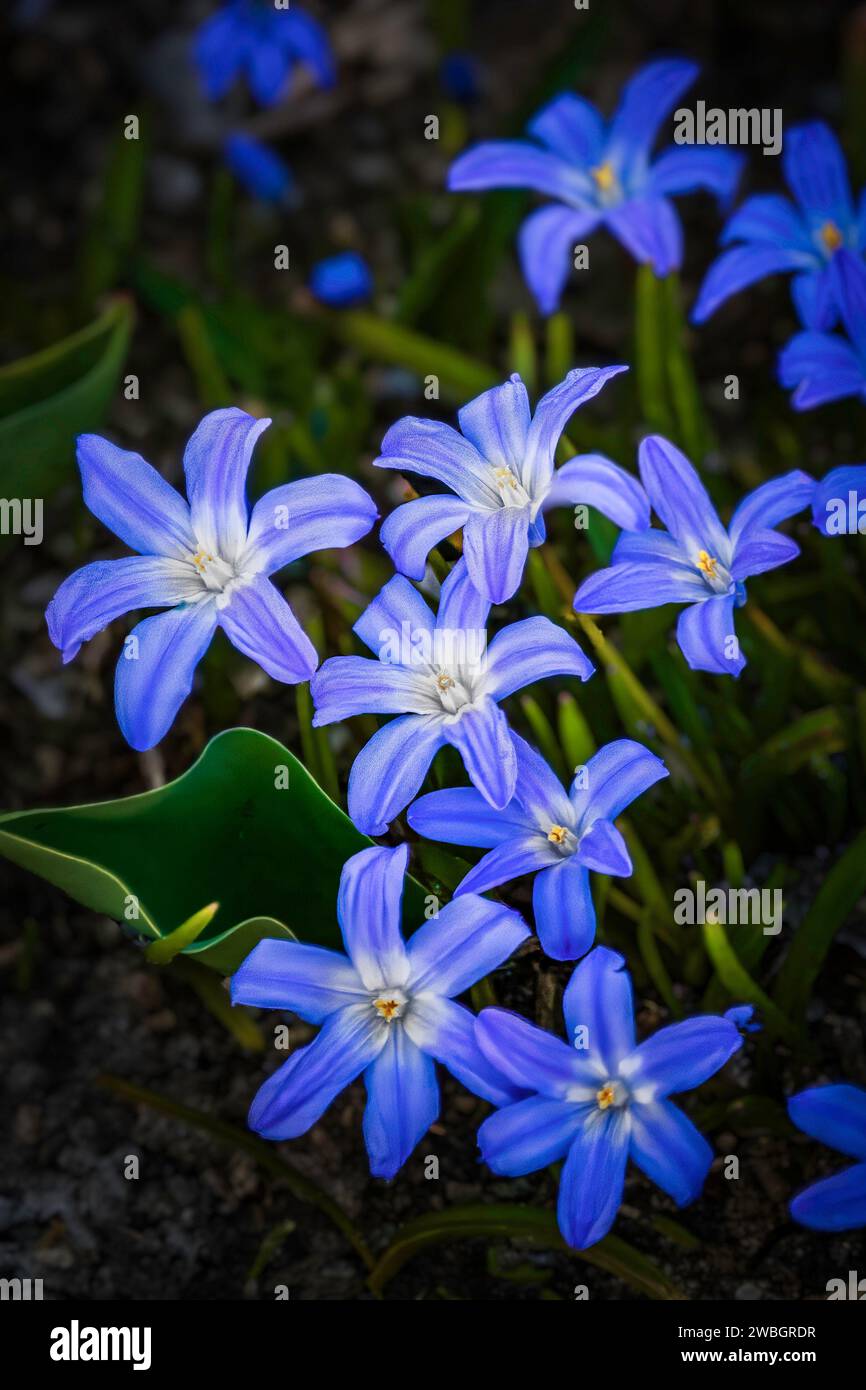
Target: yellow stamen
(505, 477)
(831, 236)
(707, 565)
(388, 1008)
(557, 834)
(444, 681)
(604, 176)
(201, 559)
(606, 1096)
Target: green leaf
(49, 398)
(167, 947)
(740, 985)
(459, 375)
(246, 826)
(528, 1224)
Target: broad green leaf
(246, 826)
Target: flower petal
(546, 244)
(680, 499)
(390, 768)
(402, 1103)
(533, 1059)
(94, 596)
(133, 500)
(309, 980)
(835, 1115)
(524, 854)
(816, 172)
(496, 423)
(462, 816)
(740, 267)
(707, 637)
(683, 170)
(327, 512)
(681, 1056)
(598, 997)
(532, 650)
(462, 609)
(822, 367)
(564, 910)
(645, 102)
(834, 1204)
(592, 1178)
(304, 37)
(412, 530)
(435, 450)
(495, 546)
(539, 790)
(348, 685)
(216, 462)
(625, 588)
(571, 127)
(482, 738)
(156, 668)
(528, 1135)
(650, 230)
(603, 848)
(470, 937)
(368, 909)
(397, 607)
(517, 164)
(445, 1030)
(258, 622)
(598, 482)
(832, 499)
(772, 219)
(848, 274)
(552, 414)
(668, 1148)
(771, 503)
(762, 551)
(614, 777)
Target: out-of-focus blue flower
(601, 174)
(802, 237)
(256, 166)
(441, 678)
(208, 560)
(557, 837)
(835, 1115)
(839, 503)
(263, 43)
(501, 466)
(695, 560)
(341, 280)
(825, 366)
(459, 74)
(741, 1015)
(387, 1010)
(600, 1099)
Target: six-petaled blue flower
(387, 1011)
(835, 1115)
(827, 366)
(696, 560)
(264, 43)
(207, 560)
(557, 837)
(441, 678)
(501, 466)
(601, 1098)
(601, 175)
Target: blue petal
(133, 500)
(771, 503)
(816, 173)
(832, 495)
(666, 1146)
(470, 937)
(435, 450)
(298, 1093)
(592, 1178)
(258, 168)
(462, 609)
(517, 164)
(679, 497)
(553, 413)
(682, 1056)
(707, 637)
(645, 102)
(461, 816)
(648, 584)
(495, 546)
(682, 170)
(155, 671)
(533, 1059)
(615, 776)
(564, 910)
(650, 230)
(598, 997)
(219, 52)
(341, 280)
(389, 770)
(761, 551)
(546, 244)
(539, 790)
(571, 127)
(94, 596)
(815, 299)
(848, 274)
(772, 219)
(445, 1030)
(835, 1115)
(598, 482)
(740, 267)
(216, 462)
(532, 650)
(402, 1103)
(823, 368)
(496, 423)
(529, 1135)
(267, 72)
(349, 685)
(308, 980)
(368, 909)
(481, 736)
(411, 531)
(524, 854)
(305, 38)
(258, 621)
(650, 545)
(398, 607)
(603, 849)
(834, 1204)
(327, 512)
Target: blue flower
(741, 1016)
(559, 838)
(696, 561)
(341, 280)
(441, 678)
(835, 1115)
(839, 503)
(207, 560)
(600, 175)
(256, 166)
(825, 366)
(264, 43)
(600, 1098)
(501, 466)
(802, 237)
(387, 1010)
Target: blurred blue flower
(341, 280)
(559, 838)
(208, 560)
(836, 1116)
(263, 42)
(825, 366)
(600, 1099)
(261, 172)
(387, 1010)
(803, 236)
(501, 466)
(741, 1015)
(695, 560)
(839, 503)
(601, 174)
(443, 681)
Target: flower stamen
(606, 1096)
(557, 834)
(831, 237)
(604, 176)
(201, 559)
(707, 564)
(388, 1008)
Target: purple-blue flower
(601, 174)
(258, 168)
(826, 366)
(207, 560)
(444, 682)
(386, 1010)
(696, 561)
(545, 832)
(501, 467)
(836, 1116)
(777, 235)
(341, 280)
(601, 1098)
(839, 503)
(262, 42)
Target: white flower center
(511, 491)
(563, 840)
(611, 1094)
(214, 574)
(390, 1003)
(452, 691)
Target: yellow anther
(831, 236)
(557, 834)
(505, 477)
(606, 1096)
(201, 559)
(388, 1008)
(604, 176)
(444, 681)
(707, 565)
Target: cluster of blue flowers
(387, 1009)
